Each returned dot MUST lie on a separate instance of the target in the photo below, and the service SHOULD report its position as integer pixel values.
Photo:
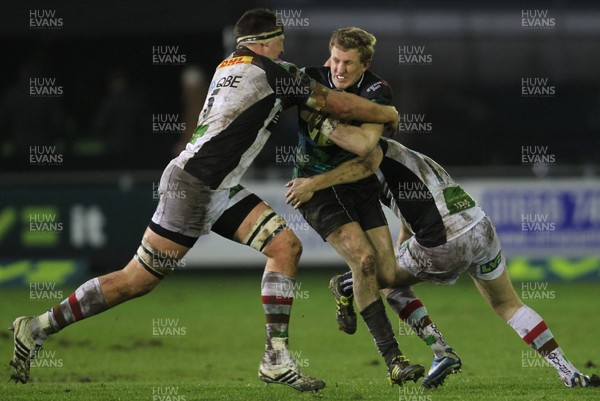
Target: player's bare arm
(301, 190)
(358, 140)
(346, 106)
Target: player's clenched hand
(300, 192)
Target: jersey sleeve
(380, 92)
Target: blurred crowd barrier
(549, 229)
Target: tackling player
(444, 234)
(348, 216)
(244, 101)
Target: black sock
(381, 330)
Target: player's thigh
(155, 258)
(250, 221)
(351, 242)
(187, 207)
(158, 255)
(326, 212)
(165, 245)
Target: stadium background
(97, 97)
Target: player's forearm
(346, 106)
(358, 140)
(347, 172)
(364, 110)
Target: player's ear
(367, 64)
(327, 62)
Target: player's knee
(286, 246)
(136, 281)
(366, 265)
(295, 247)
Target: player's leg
(387, 274)
(334, 213)
(250, 221)
(352, 244)
(385, 258)
(93, 297)
(493, 282)
(413, 312)
(443, 265)
(398, 292)
(165, 242)
(410, 309)
(404, 301)
(530, 326)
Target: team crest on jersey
(235, 60)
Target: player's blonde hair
(354, 38)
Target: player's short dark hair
(256, 21)
(354, 38)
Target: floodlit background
(97, 97)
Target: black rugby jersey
(316, 153)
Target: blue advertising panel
(552, 219)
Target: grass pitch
(200, 337)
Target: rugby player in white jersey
(444, 234)
(244, 101)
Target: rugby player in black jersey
(246, 95)
(348, 216)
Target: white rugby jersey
(424, 196)
(245, 97)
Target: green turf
(215, 346)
